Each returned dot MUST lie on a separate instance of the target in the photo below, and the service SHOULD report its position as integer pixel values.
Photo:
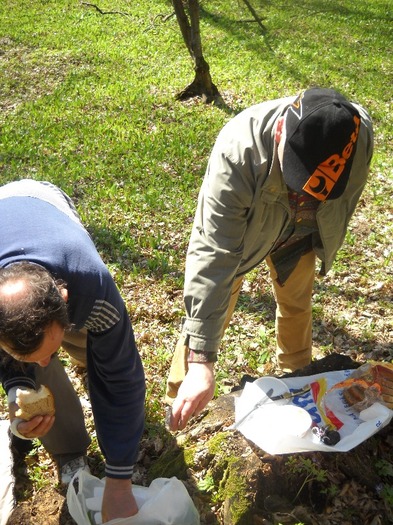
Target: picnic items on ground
(165, 502)
(7, 479)
(316, 414)
(269, 385)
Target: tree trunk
(202, 84)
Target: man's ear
(64, 294)
(280, 123)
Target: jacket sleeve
(217, 239)
(116, 382)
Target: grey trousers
(68, 437)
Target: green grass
(88, 102)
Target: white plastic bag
(165, 502)
(325, 409)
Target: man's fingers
(180, 415)
(186, 412)
(175, 415)
(37, 427)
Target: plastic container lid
(277, 386)
(287, 420)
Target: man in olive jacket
(281, 185)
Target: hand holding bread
(32, 412)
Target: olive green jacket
(243, 209)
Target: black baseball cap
(322, 129)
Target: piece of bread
(34, 402)
(354, 394)
(361, 395)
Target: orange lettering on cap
(322, 181)
(318, 185)
(347, 151)
(333, 167)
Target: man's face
(51, 343)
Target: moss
(233, 490)
(215, 444)
(226, 472)
(174, 462)
(231, 481)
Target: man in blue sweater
(55, 290)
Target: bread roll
(34, 402)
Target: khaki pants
(293, 323)
(68, 437)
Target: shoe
(68, 471)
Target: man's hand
(118, 500)
(37, 427)
(194, 394)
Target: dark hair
(25, 316)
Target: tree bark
(202, 85)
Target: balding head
(30, 301)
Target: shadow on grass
(153, 261)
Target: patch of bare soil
(46, 506)
(37, 506)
